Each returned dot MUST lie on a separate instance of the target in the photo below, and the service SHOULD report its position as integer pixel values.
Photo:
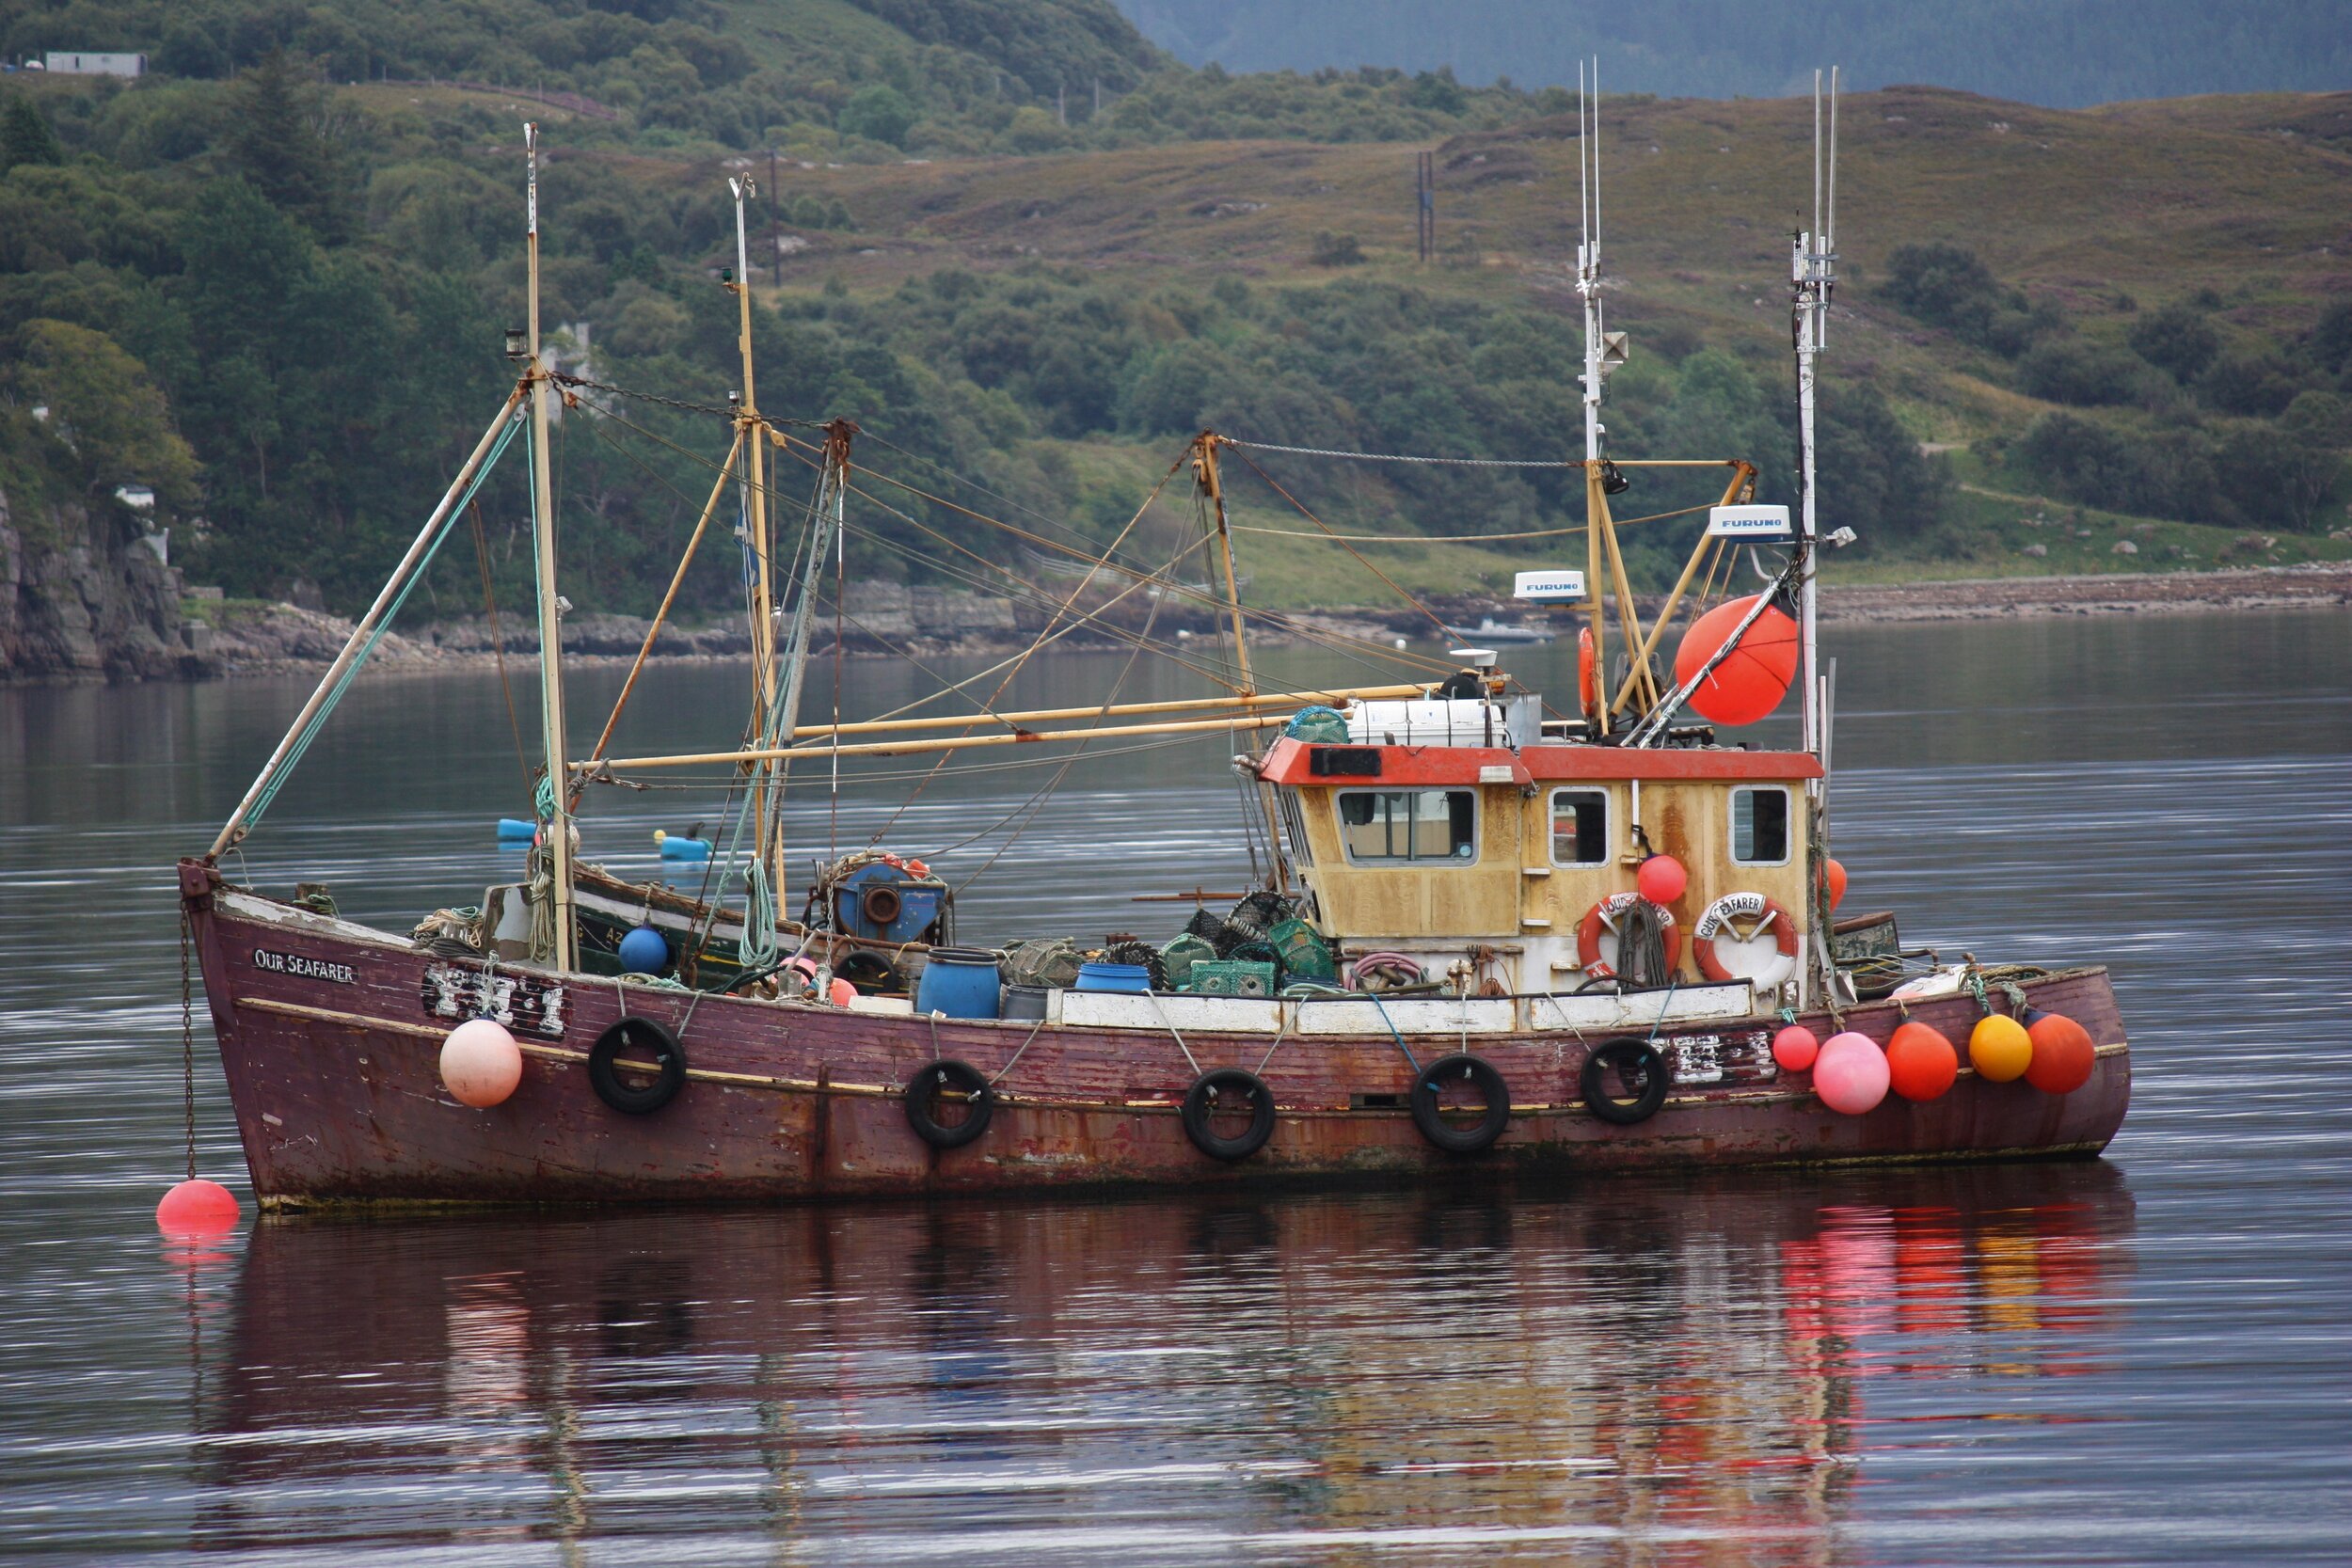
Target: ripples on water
(2140, 1359)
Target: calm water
(2144, 1359)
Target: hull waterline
(330, 1038)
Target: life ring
(1634, 1060)
(880, 903)
(948, 1076)
(647, 1034)
(1203, 1100)
(1721, 920)
(1602, 918)
(1482, 1133)
(1587, 698)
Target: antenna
(1583, 184)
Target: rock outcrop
(77, 602)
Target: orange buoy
(1749, 683)
(1587, 685)
(1835, 875)
(1662, 879)
(1920, 1062)
(1795, 1049)
(841, 994)
(481, 1063)
(2063, 1052)
(1999, 1049)
(196, 1208)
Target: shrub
(1335, 251)
(2177, 339)
(879, 113)
(2067, 369)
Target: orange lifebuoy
(1719, 921)
(1585, 694)
(1602, 917)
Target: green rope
(318, 720)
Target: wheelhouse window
(1398, 827)
(1580, 827)
(1759, 826)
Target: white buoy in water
(481, 1063)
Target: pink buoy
(1850, 1075)
(1795, 1049)
(481, 1063)
(1662, 879)
(197, 1209)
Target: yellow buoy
(1999, 1049)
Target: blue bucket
(960, 982)
(1131, 979)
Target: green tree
(2179, 339)
(108, 410)
(25, 137)
(879, 113)
(281, 145)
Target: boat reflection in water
(1709, 1368)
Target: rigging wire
(498, 641)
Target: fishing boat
(1492, 933)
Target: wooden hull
(330, 1038)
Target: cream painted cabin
(1439, 852)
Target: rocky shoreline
(240, 639)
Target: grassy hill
(1048, 307)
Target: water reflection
(1704, 1369)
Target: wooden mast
(749, 427)
(1204, 462)
(550, 608)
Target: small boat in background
(1492, 633)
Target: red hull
(331, 1048)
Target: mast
(1813, 276)
(550, 608)
(750, 430)
(1588, 289)
(1213, 486)
(1813, 270)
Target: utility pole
(1425, 204)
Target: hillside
(2120, 327)
(2065, 53)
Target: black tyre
(1434, 1118)
(1637, 1069)
(639, 1037)
(1216, 1092)
(957, 1084)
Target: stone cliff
(79, 601)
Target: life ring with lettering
(655, 1040)
(1736, 922)
(1601, 921)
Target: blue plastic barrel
(1133, 979)
(514, 829)
(960, 982)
